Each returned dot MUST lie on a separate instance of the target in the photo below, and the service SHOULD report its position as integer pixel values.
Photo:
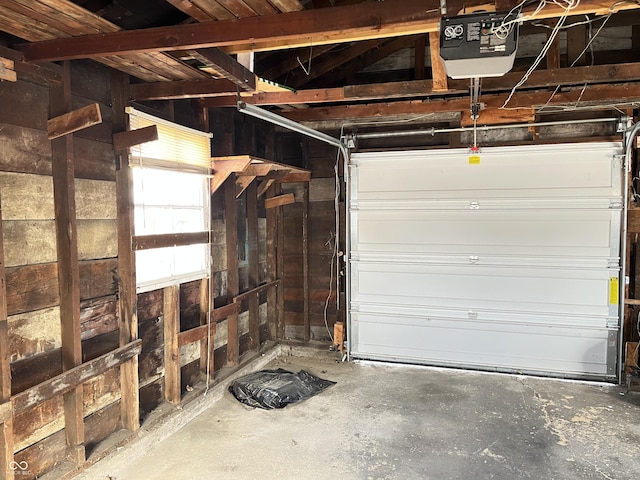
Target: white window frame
(163, 163)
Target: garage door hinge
(612, 324)
(615, 204)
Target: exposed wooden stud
(252, 258)
(74, 121)
(280, 200)
(576, 42)
(127, 298)
(7, 71)
(553, 55)
(272, 264)
(171, 314)
(305, 262)
(67, 255)
(420, 50)
(438, 73)
(66, 381)
(281, 330)
(146, 242)
(233, 279)
(130, 138)
(205, 351)
(6, 425)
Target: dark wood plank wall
(34, 336)
(320, 159)
(33, 301)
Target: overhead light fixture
(284, 122)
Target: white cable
(593, 37)
(571, 4)
(334, 255)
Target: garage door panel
(510, 320)
(544, 171)
(506, 288)
(504, 265)
(462, 229)
(554, 350)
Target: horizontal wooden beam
(286, 30)
(74, 121)
(130, 138)
(146, 242)
(220, 313)
(294, 177)
(213, 87)
(424, 88)
(268, 32)
(70, 379)
(195, 334)
(280, 200)
(593, 96)
(256, 291)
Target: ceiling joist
(596, 74)
(271, 32)
(603, 96)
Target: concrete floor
(389, 422)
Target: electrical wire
(571, 4)
(334, 255)
(587, 47)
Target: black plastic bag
(277, 388)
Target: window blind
(177, 147)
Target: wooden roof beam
(271, 32)
(424, 88)
(369, 58)
(331, 61)
(183, 89)
(593, 96)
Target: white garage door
(509, 264)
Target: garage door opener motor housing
(478, 45)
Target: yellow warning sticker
(614, 290)
(474, 159)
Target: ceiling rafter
(50, 19)
(330, 61)
(387, 48)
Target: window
(171, 195)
